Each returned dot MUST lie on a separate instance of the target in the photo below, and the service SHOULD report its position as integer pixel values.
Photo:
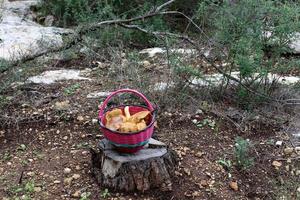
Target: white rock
(76, 176)
(94, 121)
(67, 170)
(278, 143)
(157, 50)
(21, 37)
(56, 182)
(98, 95)
(49, 77)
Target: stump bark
(151, 167)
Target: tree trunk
(151, 167)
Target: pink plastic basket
(131, 142)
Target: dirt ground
(46, 132)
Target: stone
(80, 118)
(49, 20)
(76, 194)
(276, 164)
(65, 138)
(30, 173)
(146, 63)
(9, 163)
(56, 182)
(278, 143)
(298, 189)
(37, 189)
(68, 181)
(95, 95)
(21, 37)
(234, 185)
(52, 76)
(63, 105)
(94, 121)
(297, 172)
(1, 170)
(67, 170)
(288, 150)
(76, 176)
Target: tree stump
(151, 167)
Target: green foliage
(72, 89)
(85, 196)
(80, 12)
(225, 163)
(73, 12)
(242, 150)
(254, 34)
(105, 193)
(4, 65)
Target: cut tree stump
(151, 167)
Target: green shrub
(253, 33)
(242, 150)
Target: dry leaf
(234, 185)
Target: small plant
(206, 122)
(85, 196)
(7, 156)
(22, 147)
(225, 163)
(105, 193)
(242, 148)
(72, 89)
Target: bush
(254, 35)
(242, 150)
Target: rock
(234, 185)
(95, 95)
(298, 189)
(49, 20)
(80, 118)
(63, 105)
(288, 150)
(295, 45)
(67, 170)
(21, 37)
(146, 64)
(76, 194)
(52, 76)
(37, 189)
(68, 181)
(276, 164)
(297, 172)
(56, 182)
(65, 138)
(9, 163)
(196, 194)
(94, 121)
(199, 154)
(76, 176)
(77, 167)
(287, 168)
(278, 143)
(187, 171)
(30, 173)
(297, 149)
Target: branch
(163, 5)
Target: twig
(163, 5)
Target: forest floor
(47, 130)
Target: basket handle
(104, 104)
